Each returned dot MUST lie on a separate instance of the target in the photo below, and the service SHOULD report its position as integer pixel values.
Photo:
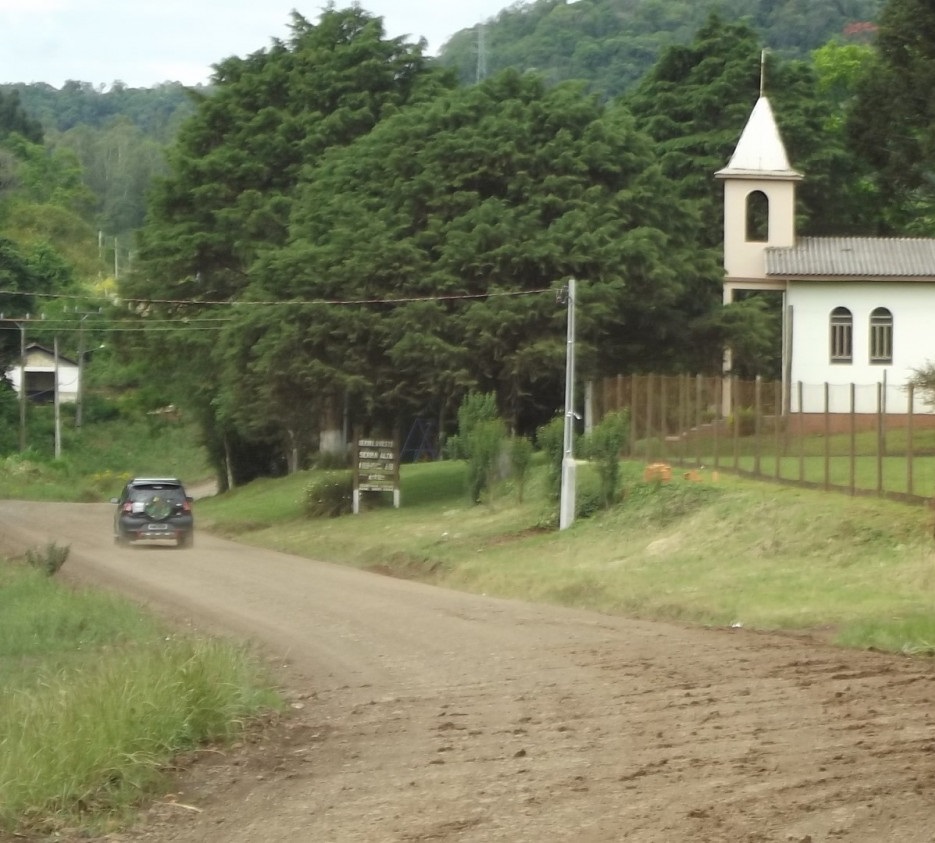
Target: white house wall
(912, 306)
(67, 379)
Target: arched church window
(757, 217)
(842, 333)
(881, 336)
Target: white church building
(858, 312)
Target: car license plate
(157, 527)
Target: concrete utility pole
(57, 407)
(22, 384)
(566, 515)
(81, 353)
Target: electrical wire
(61, 324)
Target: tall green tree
(14, 119)
(458, 219)
(234, 171)
(892, 126)
(697, 98)
(238, 160)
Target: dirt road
(427, 715)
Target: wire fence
(824, 437)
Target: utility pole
(57, 407)
(21, 326)
(566, 515)
(80, 396)
(22, 384)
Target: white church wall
(912, 306)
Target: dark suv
(154, 509)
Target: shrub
(480, 440)
(98, 408)
(49, 559)
(923, 381)
(604, 445)
(484, 445)
(745, 420)
(330, 461)
(329, 495)
(551, 440)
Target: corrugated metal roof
(854, 257)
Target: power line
(292, 302)
(144, 324)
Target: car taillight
(186, 506)
(127, 507)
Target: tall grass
(95, 700)
(97, 459)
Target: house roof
(852, 258)
(760, 152)
(35, 346)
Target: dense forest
(341, 231)
(613, 43)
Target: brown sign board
(376, 465)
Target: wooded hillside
(613, 43)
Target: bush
(329, 461)
(604, 445)
(98, 408)
(48, 560)
(330, 495)
(9, 418)
(551, 440)
(480, 439)
(745, 420)
(923, 381)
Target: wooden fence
(726, 424)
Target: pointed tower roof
(760, 152)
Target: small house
(41, 368)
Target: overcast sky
(145, 42)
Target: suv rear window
(143, 493)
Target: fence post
(699, 416)
(910, 445)
(853, 448)
(827, 436)
(683, 425)
(736, 421)
(757, 423)
(634, 414)
(880, 435)
(801, 397)
(650, 448)
(779, 421)
(718, 415)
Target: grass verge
(96, 698)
